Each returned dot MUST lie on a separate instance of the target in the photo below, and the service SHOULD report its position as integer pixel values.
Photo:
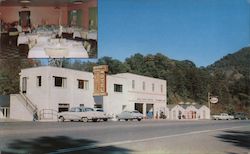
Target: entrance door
(139, 107)
(150, 110)
(24, 19)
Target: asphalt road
(149, 136)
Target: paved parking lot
(152, 136)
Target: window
(75, 109)
(83, 84)
(133, 84)
(39, 81)
(24, 84)
(124, 107)
(89, 109)
(143, 85)
(98, 106)
(161, 88)
(117, 88)
(63, 107)
(153, 87)
(60, 81)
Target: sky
(202, 31)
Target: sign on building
(100, 81)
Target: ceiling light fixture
(77, 2)
(25, 1)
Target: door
(139, 107)
(24, 19)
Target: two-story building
(47, 90)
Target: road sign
(214, 100)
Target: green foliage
(9, 74)
(228, 78)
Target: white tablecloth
(73, 48)
(24, 39)
(40, 39)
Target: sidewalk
(9, 120)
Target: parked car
(240, 116)
(222, 116)
(83, 114)
(130, 115)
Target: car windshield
(89, 109)
(75, 109)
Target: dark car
(240, 116)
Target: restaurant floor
(11, 51)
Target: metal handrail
(51, 112)
(29, 103)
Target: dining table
(58, 48)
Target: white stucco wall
(148, 95)
(48, 96)
(18, 109)
(114, 101)
(1, 115)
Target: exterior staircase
(30, 106)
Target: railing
(29, 105)
(48, 114)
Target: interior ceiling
(39, 2)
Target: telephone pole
(208, 100)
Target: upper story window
(133, 84)
(83, 84)
(153, 87)
(24, 84)
(39, 81)
(60, 81)
(117, 88)
(161, 88)
(143, 85)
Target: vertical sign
(100, 82)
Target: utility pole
(208, 101)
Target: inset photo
(48, 29)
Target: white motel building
(48, 90)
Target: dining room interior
(48, 28)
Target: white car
(83, 114)
(223, 116)
(130, 115)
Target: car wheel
(126, 119)
(119, 119)
(105, 119)
(139, 119)
(84, 119)
(61, 119)
(94, 120)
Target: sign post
(211, 99)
